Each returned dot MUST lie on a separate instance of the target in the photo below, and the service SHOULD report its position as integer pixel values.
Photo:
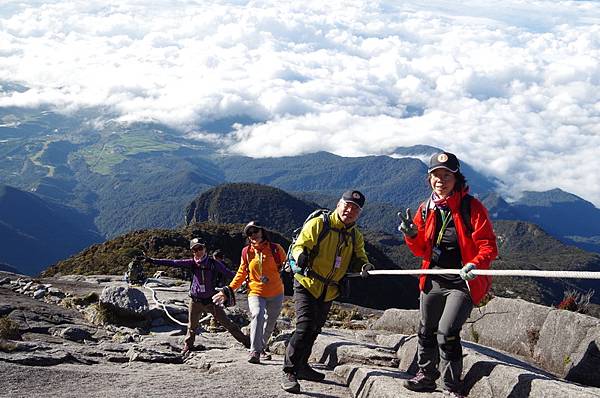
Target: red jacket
(478, 248)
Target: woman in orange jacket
(445, 237)
(259, 266)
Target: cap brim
(441, 167)
(351, 201)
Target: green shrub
(474, 334)
(9, 329)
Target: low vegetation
(9, 329)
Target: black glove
(364, 271)
(302, 261)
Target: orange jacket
(478, 248)
(264, 279)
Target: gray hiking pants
(264, 312)
(443, 313)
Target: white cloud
(511, 86)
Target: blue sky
(512, 87)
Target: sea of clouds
(512, 87)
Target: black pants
(311, 314)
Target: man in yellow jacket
(321, 262)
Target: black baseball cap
(355, 197)
(196, 242)
(444, 160)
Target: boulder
(568, 345)
(126, 299)
(512, 325)
(398, 321)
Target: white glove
(466, 272)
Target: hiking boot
(420, 383)
(308, 373)
(289, 383)
(453, 394)
(265, 355)
(187, 348)
(254, 357)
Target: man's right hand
(407, 227)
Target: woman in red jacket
(444, 239)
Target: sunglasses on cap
(252, 231)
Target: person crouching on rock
(450, 230)
(259, 266)
(205, 270)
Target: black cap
(355, 197)
(197, 242)
(443, 160)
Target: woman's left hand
(466, 272)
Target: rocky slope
(59, 345)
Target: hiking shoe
(265, 355)
(254, 357)
(308, 373)
(420, 383)
(186, 349)
(453, 394)
(289, 383)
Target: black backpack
(465, 211)
(324, 214)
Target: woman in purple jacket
(204, 269)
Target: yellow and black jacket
(347, 243)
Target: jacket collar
(455, 199)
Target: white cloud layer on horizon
(511, 87)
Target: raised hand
(407, 226)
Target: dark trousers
(311, 314)
(443, 311)
(197, 308)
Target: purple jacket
(204, 274)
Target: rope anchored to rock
(164, 306)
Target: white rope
(164, 306)
(490, 272)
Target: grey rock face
(74, 333)
(370, 363)
(129, 300)
(512, 325)
(398, 321)
(568, 346)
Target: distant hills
(130, 177)
(240, 203)
(35, 232)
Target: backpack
(465, 212)
(274, 251)
(135, 272)
(324, 214)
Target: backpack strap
(276, 256)
(246, 258)
(465, 211)
(326, 228)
